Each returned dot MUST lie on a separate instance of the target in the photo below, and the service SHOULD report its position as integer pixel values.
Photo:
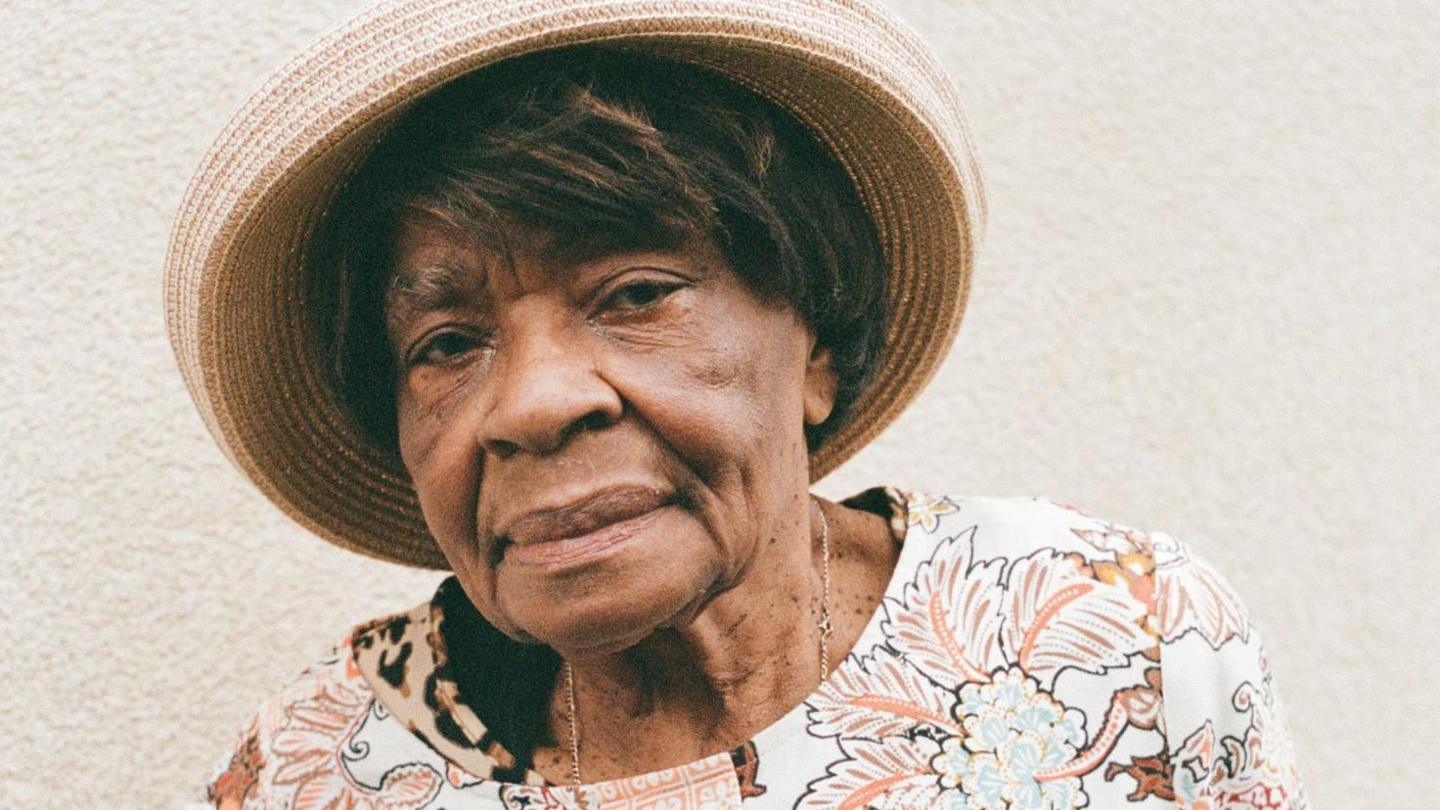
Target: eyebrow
(436, 286)
(444, 285)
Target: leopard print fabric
(403, 658)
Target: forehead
(433, 267)
(420, 242)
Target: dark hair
(608, 149)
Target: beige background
(1206, 306)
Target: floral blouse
(1025, 655)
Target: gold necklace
(824, 627)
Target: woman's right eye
(443, 348)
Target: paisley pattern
(1026, 655)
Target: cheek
(727, 390)
(757, 369)
(445, 471)
(445, 476)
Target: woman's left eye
(638, 295)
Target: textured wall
(1205, 306)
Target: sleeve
(1228, 744)
(321, 698)
(236, 775)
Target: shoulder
(326, 695)
(1028, 546)
(1015, 527)
(1179, 591)
(1028, 648)
(1032, 590)
(291, 745)
(1023, 584)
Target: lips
(581, 527)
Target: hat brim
(239, 306)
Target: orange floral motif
(977, 647)
(926, 510)
(1187, 595)
(238, 781)
(1256, 771)
(309, 756)
(1152, 775)
(960, 707)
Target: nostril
(501, 448)
(595, 420)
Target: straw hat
(236, 293)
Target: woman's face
(600, 443)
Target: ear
(821, 384)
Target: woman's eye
(443, 348)
(638, 295)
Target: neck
(749, 655)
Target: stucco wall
(1206, 306)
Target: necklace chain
(574, 725)
(823, 626)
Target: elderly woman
(566, 299)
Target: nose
(543, 387)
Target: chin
(608, 616)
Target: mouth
(583, 528)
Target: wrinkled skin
(654, 384)
(545, 385)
